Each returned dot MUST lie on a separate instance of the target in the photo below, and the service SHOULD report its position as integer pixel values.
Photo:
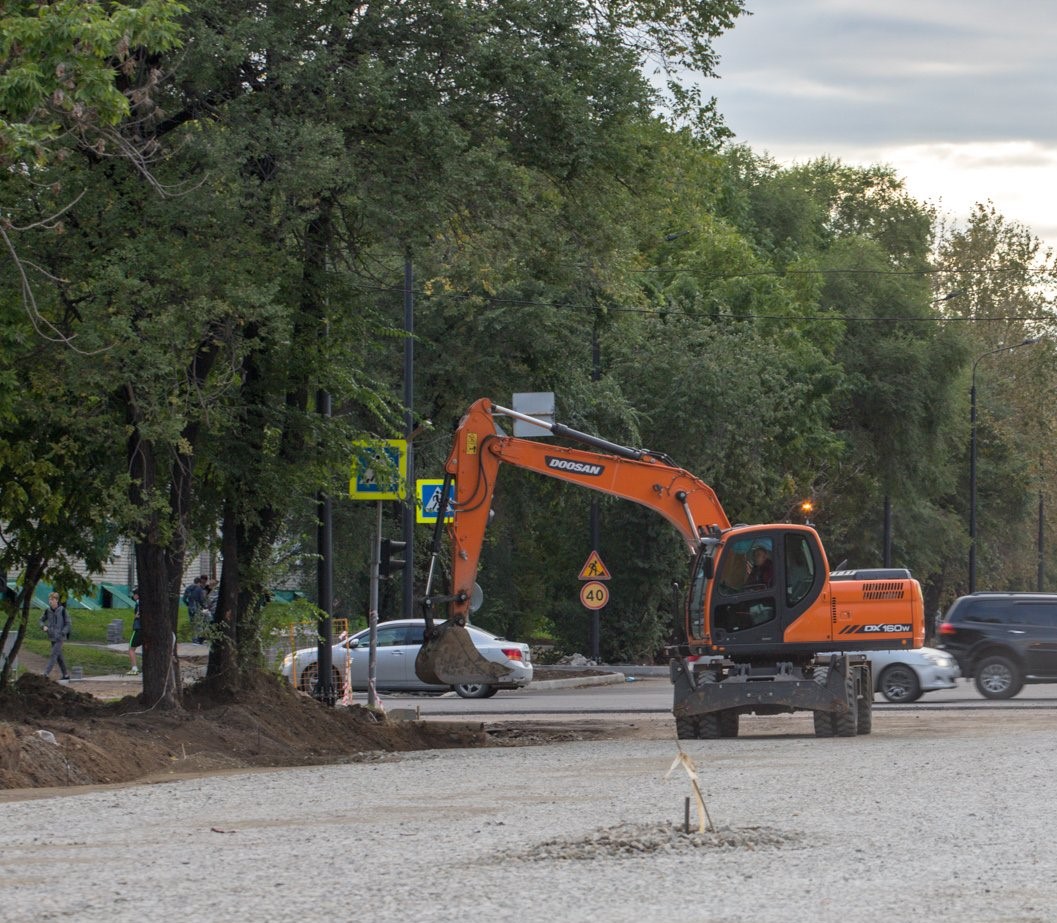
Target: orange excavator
(768, 628)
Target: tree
(324, 142)
(1006, 280)
(62, 69)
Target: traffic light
(388, 564)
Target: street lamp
(972, 455)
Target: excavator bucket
(450, 658)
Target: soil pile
(51, 735)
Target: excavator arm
(479, 448)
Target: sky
(958, 96)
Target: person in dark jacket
(56, 624)
(195, 597)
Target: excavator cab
(747, 591)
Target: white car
(397, 646)
(901, 676)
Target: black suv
(1002, 640)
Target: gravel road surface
(931, 818)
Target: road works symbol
(593, 568)
(594, 595)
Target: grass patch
(89, 625)
(95, 661)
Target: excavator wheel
(686, 728)
(699, 727)
(823, 719)
(715, 724)
(823, 723)
(450, 658)
(832, 724)
(728, 723)
(865, 703)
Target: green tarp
(121, 596)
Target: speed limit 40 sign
(594, 595)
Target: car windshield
(405, 633)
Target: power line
(667, 312)
(984, 270)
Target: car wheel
(306, 681)
(997, 677)
(475, 690)
(899, 683)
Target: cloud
(1017, 176)
(891, 72)
(956, 95)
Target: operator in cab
(760, 568)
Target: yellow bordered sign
(379, 470)
(428, 507)
(594, 595)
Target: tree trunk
(158, 606)
(223, 652)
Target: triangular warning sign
(594, 569)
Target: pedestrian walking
(56, 625)
(195, 598)
(134, 641)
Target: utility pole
(596, 530)
(408, 511)
(325, 690)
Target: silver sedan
(901, 676)
(397, 646)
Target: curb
(604, 679)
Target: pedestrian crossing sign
(429, 493)
(593, 568)
(379, 470)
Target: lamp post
(972, 455)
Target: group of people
(200, 598)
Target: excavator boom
(479, 448)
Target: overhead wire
(673, 311)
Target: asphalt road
(653, 695)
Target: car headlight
(939, 660)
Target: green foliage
(774, 330)
(63, 63)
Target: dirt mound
(51, 735)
